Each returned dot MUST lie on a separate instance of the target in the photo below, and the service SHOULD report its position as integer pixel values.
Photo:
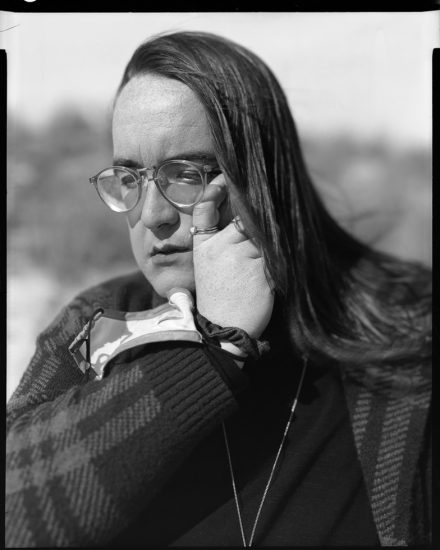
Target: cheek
(134, 216)
(135, 236)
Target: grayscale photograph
(219, 278)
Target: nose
(156, 212)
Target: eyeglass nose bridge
(146, 175)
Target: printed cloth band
(213, 333)
(110, 332)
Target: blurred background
(359, 85)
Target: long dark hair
(340, 300)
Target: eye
(127, 181)
(190, 177)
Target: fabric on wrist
(253, 348)
(225, 365)
(236, 352)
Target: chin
(171, 278)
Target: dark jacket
(77, 465)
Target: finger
(248, 249)
(234, 232)
(206, 213)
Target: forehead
(156, 116)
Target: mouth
(168, 250)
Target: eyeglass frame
(140, 173)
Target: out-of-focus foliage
(56, 220)
(378, 191)
(55, 217)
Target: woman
(290, 408)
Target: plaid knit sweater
(83, 456)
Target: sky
(368, 74)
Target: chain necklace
(269, 481)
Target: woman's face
(157, 119)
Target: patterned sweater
(83, 456)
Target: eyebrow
(192, 156)
(128, 163)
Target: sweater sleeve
(83, 457)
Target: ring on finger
(202, 230)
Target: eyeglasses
(181, 182)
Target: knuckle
(202, 208)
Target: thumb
(206, 213)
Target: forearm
(79, 467)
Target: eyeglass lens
(118, 189)
(181, 184)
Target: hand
(231, 285)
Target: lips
(168, 249)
